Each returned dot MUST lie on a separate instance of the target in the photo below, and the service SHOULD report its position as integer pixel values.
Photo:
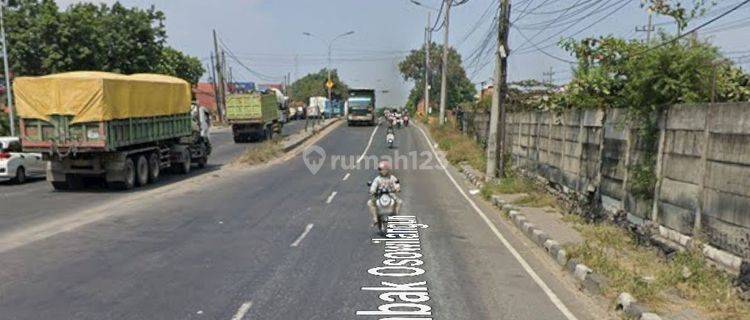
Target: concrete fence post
(563, 143)
(528, 136)
(659, 171)
(600, 165)
(581, 137)
(537, 136)
(697, 225)
(626, 166)
(549, 139)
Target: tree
(44, 40)
(460, 88)
(175, 63)
(314, 85)
(675, 9)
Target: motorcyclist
(384, 180)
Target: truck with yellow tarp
(124, 128)
(253, 115)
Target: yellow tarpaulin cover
(101, 96)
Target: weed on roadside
(686, 281)
(263, 153)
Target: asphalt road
(279, 242)
(36, 201)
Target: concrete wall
(703, 166)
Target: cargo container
(253, 116)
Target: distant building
(266, 86)
(205, 96)
(243, 87)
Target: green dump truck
(126, 129)
(253, 116)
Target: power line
(696, 28)
(261, 76)
(624, 3)
(542, 51)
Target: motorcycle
(406, 121)
(390, 138)
(385, 205)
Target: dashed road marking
(525, 265)
(330, 198)
(346, 176)
(369, 143)
(242, 311)
(302, 236)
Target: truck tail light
(4, 155)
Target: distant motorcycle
(386, 207)
(406, 121)
(390, 138)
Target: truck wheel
(154, 167)
(128, 175)
(20, 176)
(202, 161)
(269, 133)
(186, 166)
(141, 171)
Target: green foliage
(4, 124)
(44, 40)
(176, 63)
(314, 85)
(459, 87)
(529, 95)
(675, 9)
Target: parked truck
(126, 129)
(361, 107)
(253, 116)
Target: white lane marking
(369, 143)
(474, 192)
(330, 198)
(550, 294)
(302, 236)
(346, 176)
(244, 308)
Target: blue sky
(266, 35)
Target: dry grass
(510, 185)
(263, 153)
(537, 200)
(458, 147)
(652, 280)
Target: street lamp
(330, 48)
(8, 89)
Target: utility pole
(444, 80)
(647, 28)
(549, 75)
(497, 112)
(225, 72)
(212, 69)
(8, 88)
(219, 79)
(427, 47)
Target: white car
(17, 165)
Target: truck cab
(361, 107)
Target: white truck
(316, 107)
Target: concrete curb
(475, 177)
(588, 280)
(309, 135)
